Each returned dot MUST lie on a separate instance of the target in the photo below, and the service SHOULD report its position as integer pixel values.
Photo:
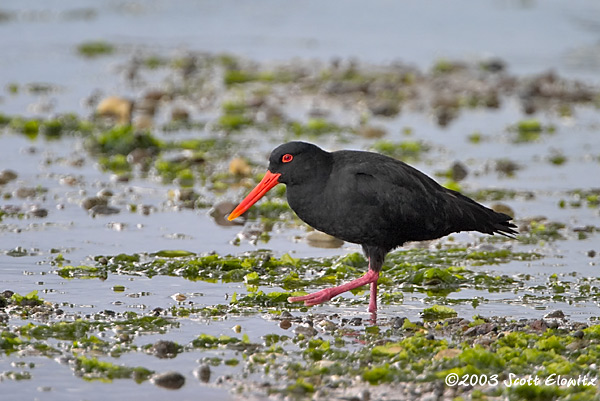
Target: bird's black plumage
(372, 200)
(375, 200)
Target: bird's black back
(374, 200)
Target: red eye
(287, 158)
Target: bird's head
(290, 163)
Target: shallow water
(38, 40)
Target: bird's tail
(476, 217)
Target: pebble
(164, 349)
(25, 192)
(117, 108)
(503, 208)
(557, 314)
(7, 176)
(221, 210)
(203, 373)
(319, 239)
(372, 132)
(538, 325)
(90, 202)
(36, 211)
(306, 330)
(103, 210)
(169, 380)
(459, 171)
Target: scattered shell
(117, 108)
(116, 226)
(168, 380)
(239, 167)
(179, 297)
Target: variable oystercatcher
(368, 199)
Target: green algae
(437, 312)
(93, 368)
(95, 48)
(530, 130)
(31, 299)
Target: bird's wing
(393, 197)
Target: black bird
(368, 199)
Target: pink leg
(373, 297)
(319, 297)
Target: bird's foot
(315, 298)
(325, 295)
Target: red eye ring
(287, 158)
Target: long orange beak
(269, 181)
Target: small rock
(355, 321)
(591, 253)
(139, 155)
(285, 324)
(180, 114)
(306, 330)
(164, 349)
(503, 208)
(538, 325)
(104, 193)
(222, 209)
(203, 373)
(168, 380)
(578, 334)
(25, 192)
(398, 322)
(103, 210)
(557, 314)
(89, 203)
(459, 171)
(386, 108)
(319, 239)
(7, 176)
(481, 329)
(38, 212)
(372, 132)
